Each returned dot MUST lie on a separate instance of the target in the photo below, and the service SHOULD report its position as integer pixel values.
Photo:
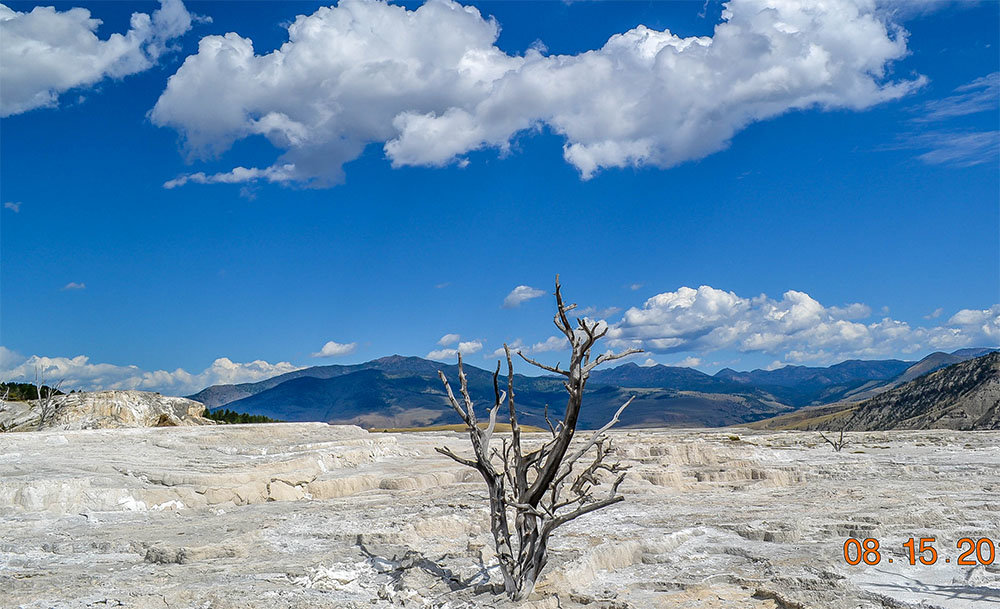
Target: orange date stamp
(970, 551)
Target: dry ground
(309, 515)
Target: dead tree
(532, 492)
(838, 444)
(46, 405)
(3, 406)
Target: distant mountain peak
(396, 358)
(974, 351)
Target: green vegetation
(228, 416)
(20, 392)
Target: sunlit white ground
(309, 515)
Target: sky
(215, 192)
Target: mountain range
(398, 391)
(963, 396)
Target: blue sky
(834, 205)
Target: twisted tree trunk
(539, 487)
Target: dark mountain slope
(392, 366)
(934, 361)
(803, 385)
(375, 398)
(796, 376)
(963, 396)
(401, 391)
(663, 377)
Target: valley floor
(310, 515)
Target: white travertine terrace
(310, 515)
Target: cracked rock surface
(310, 515)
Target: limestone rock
(310, 516)
(107, 410)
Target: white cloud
(14, 206)
(237, 175)
(46, 52)
(520, 294)
(635, 286)
(335, 349)
(448, 339)
(552, 343)
(602, 313)
(910, 9)
(649, 363)
(73, 285)
(985, 322)
(515, 346)
(465, 347)
(79, 373)
(854, 310)
(957, 146)
(9, 359)
(980, 95)
(796, 327)
(688, 362)
(935, 313)
(431, 85)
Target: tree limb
(444, 450)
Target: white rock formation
(107, 409)
(310, 515)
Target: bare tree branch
(607, 357)
(840, 443)
(543, 366)
(596, 436)
(451, 399)
(46, 404)
(447, 452)
(538, 487)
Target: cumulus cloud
(9, 358)
(797, 327)
(14, 206)
(431, 85)
(79, 373)
(688, 362)
(73, 285)
(46, 52)
(520, 294)
(465, 347)
(335, 349)
(515, 346)
(552, 343)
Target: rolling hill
(406, 392)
